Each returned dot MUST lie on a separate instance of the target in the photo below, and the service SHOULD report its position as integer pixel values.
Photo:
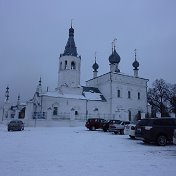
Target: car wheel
(115, 132)
(105, 130)
(161, 140)
(8, 129)
(93, 128)
(132, 137)
(121, 131)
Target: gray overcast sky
(33, 33)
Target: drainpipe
(86, 108)
(110, 95)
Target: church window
(73, 65)
(55, 111)
(60, 65)
(129, 94)
(76, 112)
(129, 115)
(139, 96)
(118, 93)
(65, 64)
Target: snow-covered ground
(75, 151)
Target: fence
(82, 116)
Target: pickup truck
(118, 127)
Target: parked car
(94, 123)
(105, 125)
(157, 130)
(118, 127)
(130, 129)
(15, 125)
(174, 137)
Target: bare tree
(172, 98)
(158, 97)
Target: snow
(56, 95)
(93, 96)
(75, 151)
(88, 95)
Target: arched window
(129, 94)
(60, 65)
(129, 115)
(139, 96)
(65, 64)
(118, 93)
(55, 111)
(73, 65)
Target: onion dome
(114, 57)
(135, 63)
(95, 66)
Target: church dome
(95, 66)
(135, 64)
(114, 57)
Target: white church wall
(124, 83)
(64, 105)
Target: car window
(144, 122)
(127, 123)
(163, 122)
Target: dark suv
(157, 130)
(94, 123)
(15, 125)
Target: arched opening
(76, 113)
(65, 64)
(138, 115)
(129, 115)
(129, 94)
(60, 65)
(73, 65)
(55, 110)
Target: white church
(112, 95)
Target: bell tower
(69, 64)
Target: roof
(89, 93)
(93, 93)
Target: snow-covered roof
(89, 93)
(56, 94)
(93, 93)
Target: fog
(34, 33)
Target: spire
(18, 100)
(40, 81)
(70, 48)
(7, 94)
(39, 87)
(114, 43)
(135, 65)
(114, 57)
(95, 67)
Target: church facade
(112, 95)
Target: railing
(82, 116)
(39, 115)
